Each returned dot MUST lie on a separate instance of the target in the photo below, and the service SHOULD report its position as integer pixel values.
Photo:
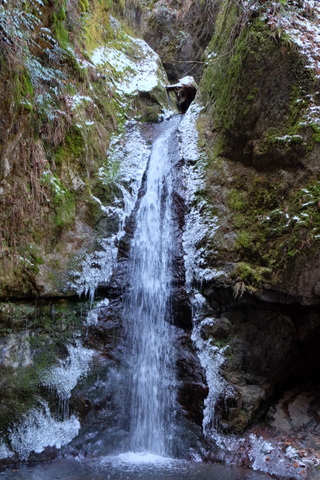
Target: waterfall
(149, 352)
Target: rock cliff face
(257, 269)
(63, 98)
(178, 31)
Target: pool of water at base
(130, 466)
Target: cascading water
(149, 383)
(149, 353)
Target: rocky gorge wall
(76, 140)
(256, 264)
(179, 31)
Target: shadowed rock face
(179, 31)
(271, 367)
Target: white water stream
(150, 352)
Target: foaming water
(141, 458)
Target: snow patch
(211, 358)
(64, 376)
(270, 457)
(200, 224)
(140, 75)
(302, 25)
(5, 452)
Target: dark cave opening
(185, 92)
(304, 366)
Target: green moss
(271, 237)
(236, 199)
(316, 133)
(259, 128)
(234, 86)
(57, 21)
(219, 79)
(250, 274)
(243, 239)
(109, 104)
(72, 148)
(252, 94)
(23, 89)
(83, 5)
(93, 212)
(65, 208)
(219, 343)
(63, 201)
(97, 27)
(148, 114)
(30, 257)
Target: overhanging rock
(185, 91)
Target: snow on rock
(127, 160)
(95, 267)
(5, 452)
(139, 71)
(271, 457)
(211, 359)
(200, 225)
(130, 67)
(302, 24)
(200, 228)
(187, 81)
(64, 376)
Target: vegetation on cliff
(260, 150)
(61, 106)
(260, 132)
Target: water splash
(133, 458)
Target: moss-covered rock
(60, 112)
(258, 88)
(261, 150)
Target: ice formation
(39, 429)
